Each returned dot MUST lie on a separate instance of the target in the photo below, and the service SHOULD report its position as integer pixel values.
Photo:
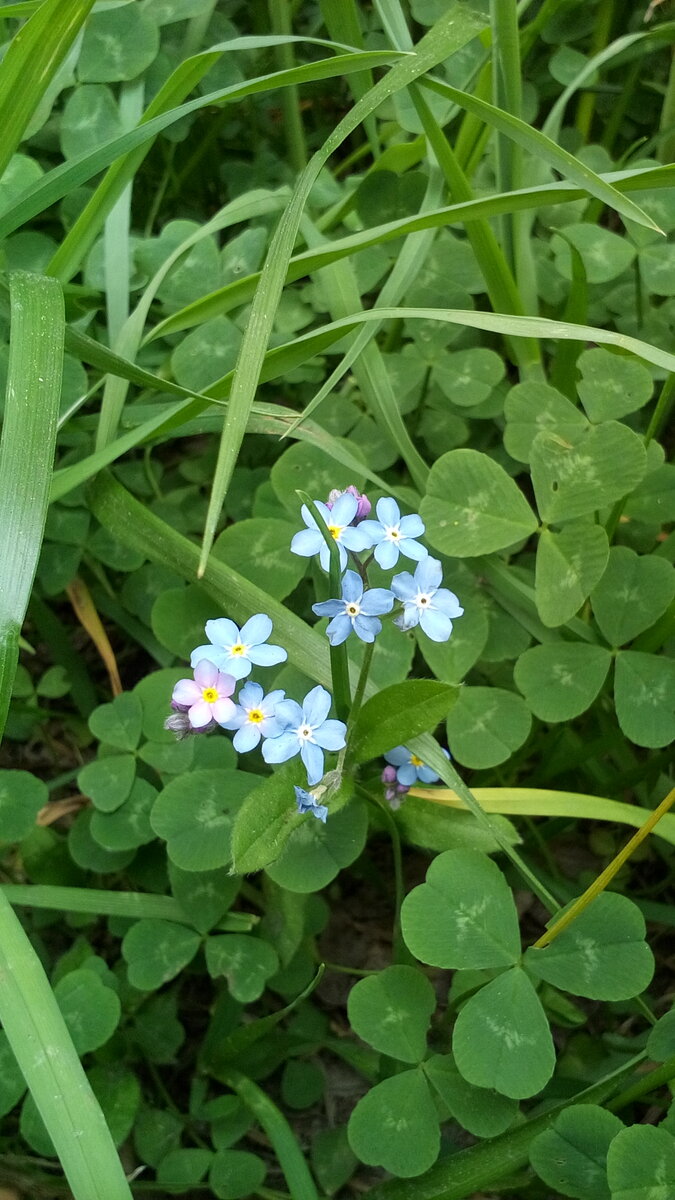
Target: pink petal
(200, 714)
(206, 674)
(226, 685)
(223, 710)
(186, 691)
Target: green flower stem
(401, 953)
(361, 685)
(649, 1082)
(339, 664)
(280, 22)
(606, 876)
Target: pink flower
(363, 504)
(206, 698)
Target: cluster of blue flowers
(280, 726)
(423, 601)
(284, 727)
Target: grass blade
(543, 802)
(41, 1044)
(454, 30)
(33, 57)
(57, 183)
(99, 902)
(543, 147)
(26, 452)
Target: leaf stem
(606, 876)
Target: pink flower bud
(363, 503)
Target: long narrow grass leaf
(45, 1053)
(543, 147)
(33, 57)
(240, 292)
(26, 452)
(58, 182)
(455, 29)
(99, 902)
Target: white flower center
(423, 600)
(352, 609)
(304, 733)
(392, 533)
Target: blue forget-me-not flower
(393, 534)
(338, 520)
(308, 802)
(236, 650)
(425, 602)
(307, 733)
(357, 610)
(409, 768)
(254, 717)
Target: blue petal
(426, 775)
(448, 603)
(435, 624)
(407, 774)
(428, 574)
(352, 586)
(388, 511)
(367, 628)
(324, 555)
(273, 700)
(328, 608)
(412, 526)
(236, 720)
(289, 712)
(386, 554)
(316, 705)
(222, 631)
(308, 517)
(271, 728)
(344, 510)
(377, 601)
(398, 756)
(211, 653)
(354, 538)
(409, 617)
(320, 811)
(331, 735)
(236, 666)
(404, 586)
(250, 695)
(307, 542)
(246, 738)
(413, 549)
(280, 749)
(267, 656)
(373, 530)
(312, 757)
(339, 629)
(256, 630)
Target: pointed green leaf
(473, 507)
(400, 712)
(463, 916)
(502, 1039)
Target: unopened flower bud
(363, 503)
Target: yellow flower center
(210, 695)
(238, 649)
(416, 762)
(334, 531)
(255, 715)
